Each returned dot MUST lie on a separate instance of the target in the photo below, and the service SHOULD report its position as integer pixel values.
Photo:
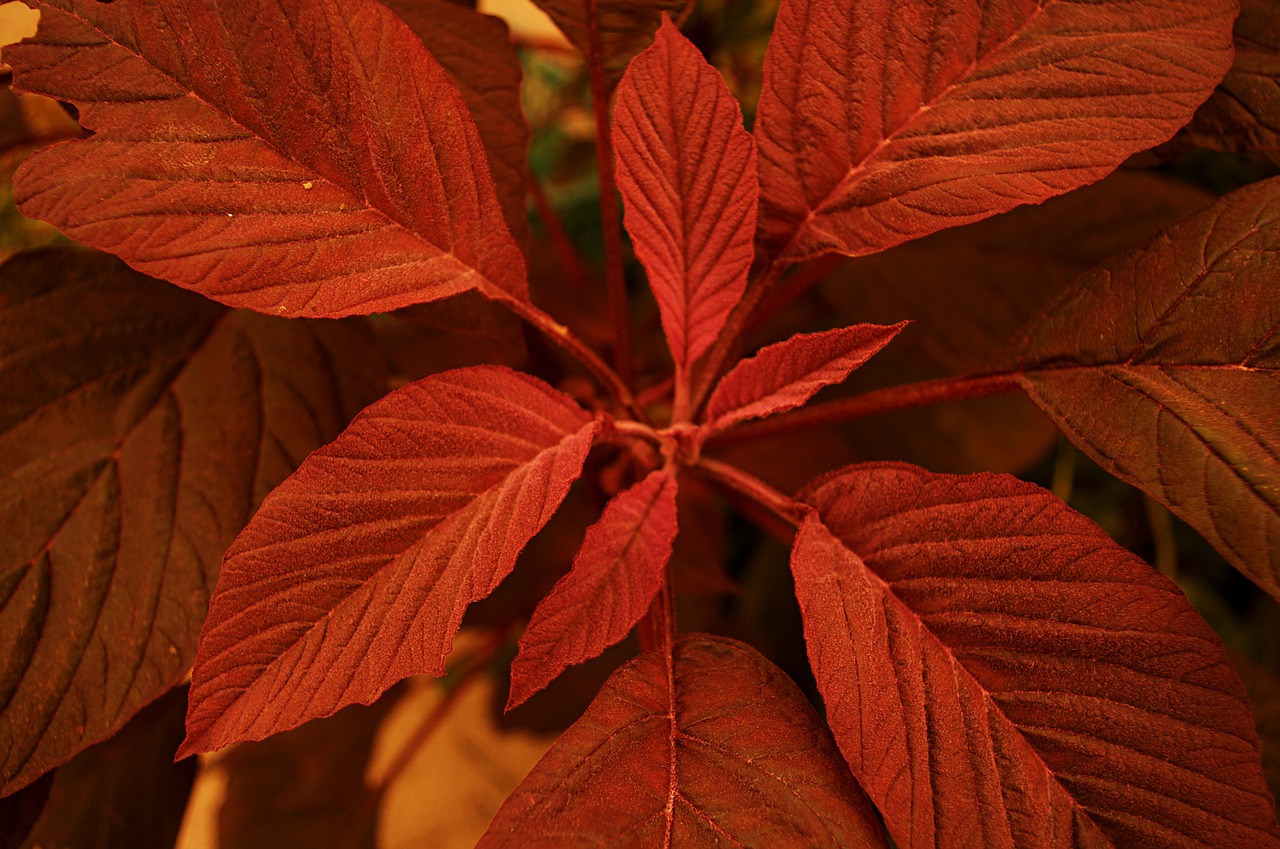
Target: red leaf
(998, 673)
(615, 576)
(713, 746)
(885, 120)
(301, 157)
(1136, 366)
(139, 427)
(687, 173)
(1243, 114)
(357, 569)
(617, 29)
(476, 52)
(785, 375)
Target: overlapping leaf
(476, 52)
(998, 673)
(356, 571)
(711, 745)
(302, 157)
(784, 376)
(615, 575)
(882, 121)
(1164, 366)
(687, 173)
(611, 31)
(139, 427)
(1244, 112)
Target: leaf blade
(691, 225)
(882, 122)
(318, 198)
(139, 427)
(616, 574)
(673, 761)
(1133, 364)
(356, 571)
(1243, 113)
(983, 649)
(785, 375)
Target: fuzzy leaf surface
(620, 29)
(476, 52)
(999, 673)
(687, 173)
(615, 576)
(1164, 366)
(299, 158)
(883, 121)
(710, 745)
(140, 425)
(785, 375)
(356, 571)
(1243, 114)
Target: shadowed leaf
(356, 571)
(883, 121)
(998, 673)
(687, 173)
(1162, 365)
(139, 427)
(1243, 113)
(301, 157)
(615, 576)
(712, 746)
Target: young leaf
(687, 173)
(476, 52)
(1136, 366)
(357, 569)
(617, 29)
(784, 376)
(615, 576)
(885, 120)
(139, 427)
(301, 157)
(998, 673)
(709, 746)
(1243, 114)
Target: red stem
(726, 345)
(887, 400)
(615, 279)
(790, 511)
(574, 269)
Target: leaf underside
(710, 746)
(1140, 367)
(998, 673)
(139, 427)
(1243, 114)
(882, 121)
(356, 571)
(299, 157)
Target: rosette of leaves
(993, 669)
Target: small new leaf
(615, 575)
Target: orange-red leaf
(999, 673)
(884, 120)
(785, 375)
(356, 571)
(687, 173)
(139, 427)
(711, 746)
(476, 52)
(1164, 366)
(615, 576)
(298, 157)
